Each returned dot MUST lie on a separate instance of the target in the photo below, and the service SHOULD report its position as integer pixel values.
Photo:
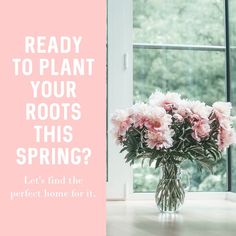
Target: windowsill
(208, 217)
(189, 196)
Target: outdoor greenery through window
(179, 47)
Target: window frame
(120, 55)
(120, 73)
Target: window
(180, 46)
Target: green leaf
(208, 164)
(151, 161)
(158, 162)
(123, 149)
(143, 161)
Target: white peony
(200, 109)
(222, 108)
(168, 100)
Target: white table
(197, 217)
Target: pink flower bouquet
(169, 129)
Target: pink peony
(201, 129)
(226, 138)
(157, 118)
(222, 109)
(139, 120)
(121, 121)
(139, 113)
(178, 117)
(188, 109)
(225, 123)
(226, 135)
(159, 139)
(200, 109)
(184, 109)
(168, 101)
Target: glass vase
(170, 192)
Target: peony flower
(226, 135)
(139, 112)
(184, 108)
(158, 134)
(225, 123)
(159, 139)
(222, 109)
(178, 117)
(200, 109)
(201, 129)
(157, 118)
(168, 101)
(156, 122)
(225, 138)
(121, 121)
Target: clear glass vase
(170, 192)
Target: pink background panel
(62, 217)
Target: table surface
(196, 217)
